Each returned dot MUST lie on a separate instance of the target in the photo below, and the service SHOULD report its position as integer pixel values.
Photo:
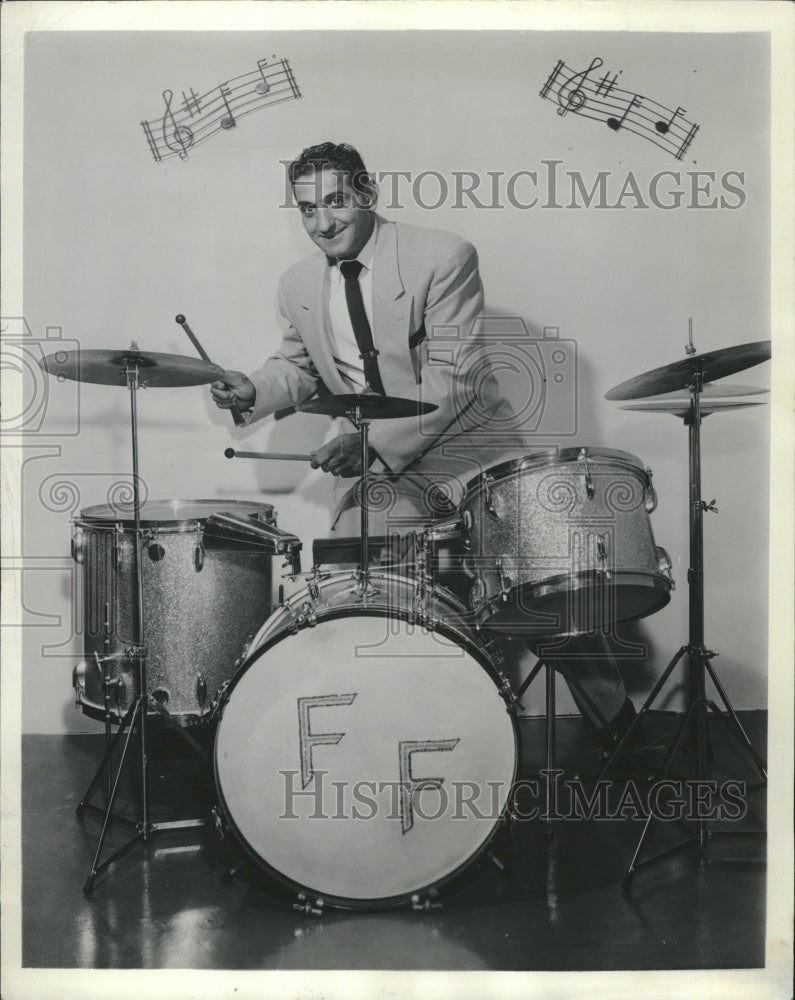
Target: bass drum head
(365, 759)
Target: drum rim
(551, 457)
(344, 902)
(554, 586)
(90, 517)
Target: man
(391, 308)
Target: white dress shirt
(346, 350)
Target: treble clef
(178, 138)
(571, 97)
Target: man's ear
(367, 191)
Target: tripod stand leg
(529, 679)
(95, 868)
(644, 709)
(125, 722)
(550, 733)
(738, 728)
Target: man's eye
(337, 202)
(307, 209)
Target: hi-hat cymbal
(371, 406)
(105, 367)
(680, 374)
(682, 408)
(710, 391)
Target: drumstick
(283, 456)
(236, 414)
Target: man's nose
(325, 219)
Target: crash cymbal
(680, 374)
(108, 367)
(682, 408)
(371, 406)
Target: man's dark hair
(336, 156)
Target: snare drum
(560, 542)
(366, 749)
(200, 606)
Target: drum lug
(201, 692)
(220, 699)
(309, 907)
(219, 823)
(601, 551)
(198, 557)
(466, 529)
(665, 565)
(651, 494)
(505, 580)
(421, 903)
(583, 457)
(78, 552)
(487, 481)
(79, 680)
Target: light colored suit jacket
(423, 280)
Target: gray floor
(556, 905)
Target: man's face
(337, 219)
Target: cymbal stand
(136, 715)
(364, 588)
(699, 659)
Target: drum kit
(334, 715)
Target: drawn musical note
(197, 118)
(664, 127)
(262, 86)
(571, 96)
(606, 84)
(178, 138)
(551, 79)
(192, 103)
(686, 144)
(229, 120)
(616, 123)
(602, 100)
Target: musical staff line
(621, 110)
(183, 128)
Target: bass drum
(366, 749)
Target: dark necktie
(350, 270)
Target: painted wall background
(115, 245)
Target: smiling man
(394, 309)
(391, 308)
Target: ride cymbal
(107, 367)
(680, 374)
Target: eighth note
(262, 86)
(663, 127)
(616, 123)
(228, 121)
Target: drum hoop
(470, 645)
(344, 902)
(550, 458)
(558, 584)
(90, 517)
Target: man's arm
(287, 378)
(453, 367)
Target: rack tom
(560, 543)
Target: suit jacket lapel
(391, 312)
(316, 324)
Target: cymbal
(105, 367)
(682, 408)
(679, 374)
(371, 406)
(709, 391)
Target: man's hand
(341, 457)
(234, 389)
